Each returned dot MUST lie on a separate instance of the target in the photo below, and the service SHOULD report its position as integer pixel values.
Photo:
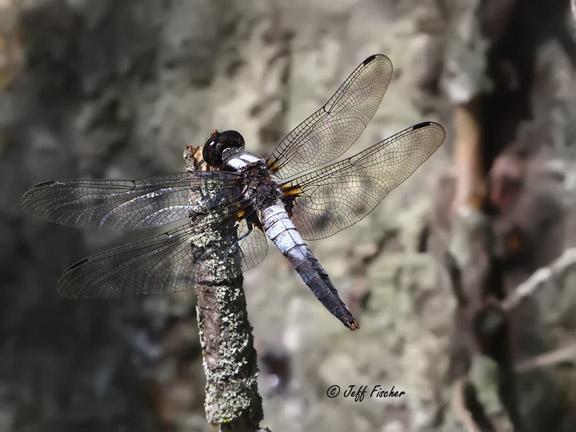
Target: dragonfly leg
(250, 226)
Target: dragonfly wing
(123, 204)
(253, 244)
(156, 265)
(337, 196)
(331, 130)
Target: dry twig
(232, 398)
(540, 278)
(552, 358)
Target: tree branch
(540, 278)
(232, 398)
(566, 354)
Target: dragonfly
(304, 190)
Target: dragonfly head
(217, 143)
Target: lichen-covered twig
(232, 399)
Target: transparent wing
(331, 130)
(337, 196)
(253, 246)
(122, 204)
(156, 265)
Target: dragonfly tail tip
(353, 325)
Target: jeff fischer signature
(359, 393)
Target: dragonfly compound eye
(218, 142)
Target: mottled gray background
(104, 88)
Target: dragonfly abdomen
(281, 230)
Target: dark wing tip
(27, 200)
(381, 57)
(421, 125)
(43, 184)
(374, 57)
(429, 123)
(62, 287)
(370, 59)
(76, 264)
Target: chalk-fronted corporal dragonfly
(296, 194)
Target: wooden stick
(229, 358)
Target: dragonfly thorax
(261, 188)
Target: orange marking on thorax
(291, 190)
(273, 165)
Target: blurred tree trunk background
(103, 88)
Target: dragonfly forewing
(124, 204)
(332, 129)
